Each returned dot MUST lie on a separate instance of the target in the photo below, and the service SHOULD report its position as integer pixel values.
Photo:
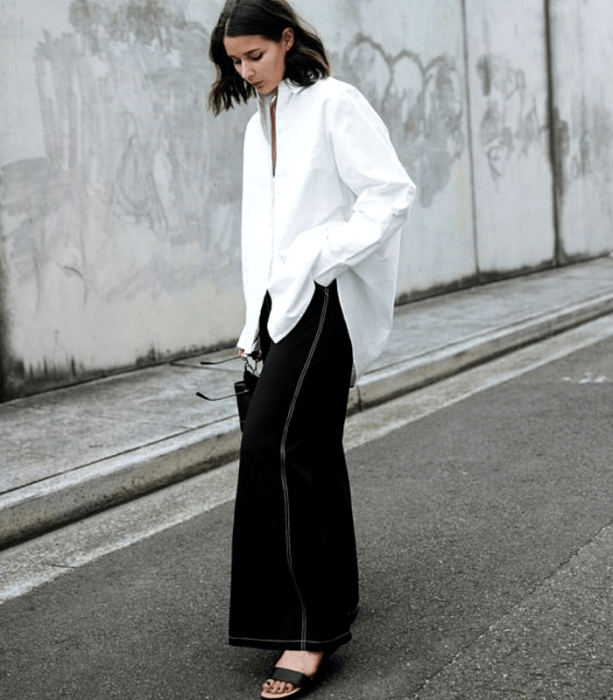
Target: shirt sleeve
(367, 163)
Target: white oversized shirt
(333, 210)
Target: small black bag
(243, 390)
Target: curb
(37, 508)
(403, 377)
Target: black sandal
(300, 681)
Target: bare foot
(306, 662)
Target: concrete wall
(120, 193)
(582, 65)
(508, 78)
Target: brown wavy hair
(305, 63)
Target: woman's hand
(257, 355)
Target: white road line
(32, 564)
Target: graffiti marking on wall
(129, 198)
(420, 102)
(584, 147)
(510, 125)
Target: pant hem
(292, 645)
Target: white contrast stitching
(291, 641)
(303, 640)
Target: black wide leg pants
(294, 564)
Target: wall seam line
(554, 158)
(469, 122)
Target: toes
(281, 688)
(272, 687)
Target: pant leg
(294, 564)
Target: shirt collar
(285, 90)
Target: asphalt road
(485, 542)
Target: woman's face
(260, 61)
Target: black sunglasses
(251, 368)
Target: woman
(324, 197)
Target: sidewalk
(75, 451)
